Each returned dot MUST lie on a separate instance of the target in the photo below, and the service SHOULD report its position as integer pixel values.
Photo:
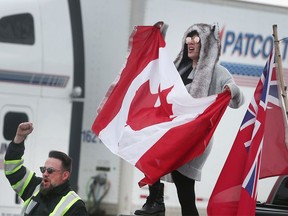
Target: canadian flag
(148, 118)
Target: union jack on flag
(259, 150)
(254, 121)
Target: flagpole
(279, 73)
(279, 68)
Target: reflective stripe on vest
(20, 186)
(30, 204)
(11, 166)
(61, 208)
(65, 203)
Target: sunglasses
(49, 170)
(195, 39)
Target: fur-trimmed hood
(208, 57)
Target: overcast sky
(283, 3)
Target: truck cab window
(11, 122)
(18, 29)
(281, 197)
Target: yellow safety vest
(61, 208)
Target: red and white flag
(148, 117)
(259, 150)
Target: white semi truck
(58, 58)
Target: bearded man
(49, 195)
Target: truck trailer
(59, 57)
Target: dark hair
(192, 33)
(66, 160)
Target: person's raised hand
(226, 88)
(23, 130)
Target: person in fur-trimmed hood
(197, 63)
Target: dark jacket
(27, 184)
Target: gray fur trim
(208, 57)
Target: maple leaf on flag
(145, 112)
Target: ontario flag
(259, 150)
(147, 116)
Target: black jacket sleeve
(23, 180)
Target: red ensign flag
(259, 150)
